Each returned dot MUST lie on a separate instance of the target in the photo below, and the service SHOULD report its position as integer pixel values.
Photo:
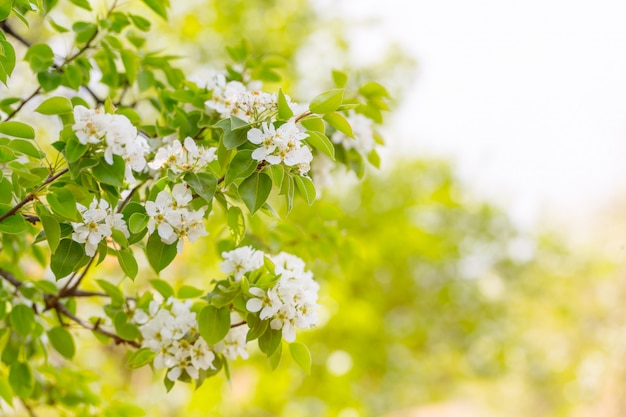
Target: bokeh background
(480, 271)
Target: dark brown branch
(22, 104)
(93, 327)
(31, 196)
(237, 324)
(11, 278)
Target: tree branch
(93, 327)
(31, 196)
(9, 277)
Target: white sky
(527, 97)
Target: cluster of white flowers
(170, 329)
(291, 302)
(180, 158)
(98, 223)
(241, 260)
(281, 145)
(117, 133)
(363, 131)
(172, 219)
(233, 98)
(234, 344)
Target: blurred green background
(433, 304)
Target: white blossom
(234, 344)
(179, 158)
(173, 219)
(241, 260)
(98, 223)
(281, 145)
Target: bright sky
(528, 97)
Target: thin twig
(96, 328)
(31, 196)
(11, 278)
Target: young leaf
(269, 341)
(40, 57)
(300, 353)
(68, 257)
(305, 188)
(62, 341)
(55, 105)
(140, 358)
(159, 254)
(22, 319)
(327, 102)
(320, 141)
(21, 379)
(340, 78)
(275, 358)
(117, 296)
(110, 174)
(213, 323)
(241, 166)
(17, 129)
(203, 183)
(128, 263)
(187, 291)
(284, 111)
(162, 287)
(138, 222)
(53, 231)
(255, 190)
(236, 223)
(158, 6)
(63, 204)
(340, 123)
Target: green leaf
(320, 141)
(55, 105)
(162, 287)
(187, 291)
(327, 102)
(340, 78)
(83, 4)
(46, 287)
(373, 89)
(27, 148)
(21, 380)
(140, 22)
(300, 353)
(158, 6)
(40, 57)
(6, 393)
(288, 189)
(255, 190)
(123, 328)
(340, 123)
(18, 130)
(269, 341)
(131, 64)
(159, 254)
(6, 154)
(128, 263)
(284, 111)
(138, 222)
(5, 9)
(68, 257)
(305, 188)
(213, 323)
(374, 158)
(62, 341)
(85, 31)
(63, 204)
(117, 296)
(241, 166)
(53, 231)
(110, 174)
(274, 359)
(14, 224)
(314, 123)
(140, 358)
(203, 183)
(49, 80)
(233, 137)
(7, 61)
(74, 150)
(256, 325)
(236, 223)
(22, 319)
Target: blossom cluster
(186, 157)
(118, 135)
(291, 302)
(233, 98)
(363, 131)
(170, 330)
(173, 220)
(281, 145)
(98, 223)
